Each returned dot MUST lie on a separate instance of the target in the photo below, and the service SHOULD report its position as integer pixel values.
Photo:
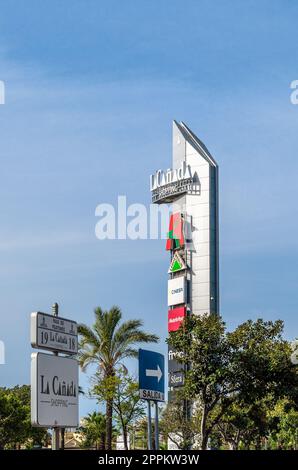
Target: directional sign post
(54, 379)
(151, 375)
(152, 385)
(54, 333)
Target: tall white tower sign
(191, 185)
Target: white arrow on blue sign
(151, 375)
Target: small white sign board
(177, 291)
(54, 391)
(54, 333)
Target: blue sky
(91, 90)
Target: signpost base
(55, 439)
(156, 430)
(149, 426)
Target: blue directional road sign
(151, 375)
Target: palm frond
(125, 332)
(127, 354)
(108, 342)
(86, 358)
(87, 335)
(128, 337)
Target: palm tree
(94, 430)
(107, 344)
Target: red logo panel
(175, 238)
(175, 318)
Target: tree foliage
(128, 406)
(94, 431)
(15, 419)
(231, 373)
(177, 423)
(107, 344)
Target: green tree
(107, 343)
(15, 419)
(177, 423)
(128, 406)
(245, 365)
(139, 434)
(284, 425)
(288, 430)
(94, 430)
(124, 391)
(12, 415)
(244, 424)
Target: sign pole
(55, 375)
(156, 427)
(149, 426)
(151, 387)
(55, 439)
(55, 436)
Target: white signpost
(54, 378)
(54, 391)
(54, 333)
(177, 291)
